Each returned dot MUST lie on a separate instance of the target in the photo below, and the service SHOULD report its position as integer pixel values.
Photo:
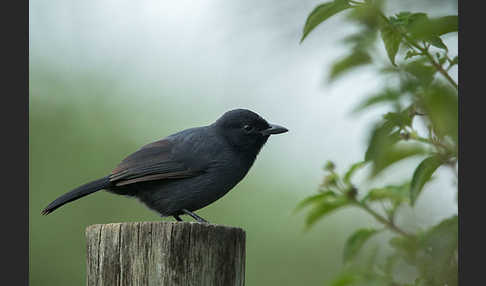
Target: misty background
(107, 77)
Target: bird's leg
(194, 216)
(177, 218)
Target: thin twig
(440, 69)
(382, 219)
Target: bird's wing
(151, 162)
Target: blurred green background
(107, 77)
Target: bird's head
(246, 130)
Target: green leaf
(441, 58)
(399, 119)
(411, 54)
(395, 153)
(352, 170)
(425, 28)
(392, 38)
(436, 256)
(355, 59)
(367, 15)
(329, 181)
(390, 262)
(404, 19)
(394, 193)
(436, 41)
(446, 24)
(422, 174)
(406, 248)
(313, 199)
(440, 103)
(362, 40)
(381, 138)
(455, 61)
(422, 72)
(420, 27)
(387, 95)
(323, 12)
(355, 242)
(325, 207)
(383, 149)
(330, 166)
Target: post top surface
(184, 224)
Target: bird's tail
(77, 193)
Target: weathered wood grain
(165, 253)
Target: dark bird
(188, 170)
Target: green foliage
(423, 82)
(392, 195)
(322, 204)
(412, 24)
(388, 95)
(395, 153)
(311, 200)
(440, 102)
(422, 174)
(392, 38)
(356, 241)
(396, 194)
(424, 28)
(329, 166)
(381, 138)
(434, 252)
(421, 73)
(386, 145)
(454, 61)
(324, 207)
(355, 167)
(323, 12)
(406, 248)
(437, 253)
(368, 15)
(355, 59)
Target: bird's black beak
(274, 129)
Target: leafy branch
(394, 139)
(423, 50)
(344, 192)
(429, 36)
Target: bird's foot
(177, 218)
(194, 216)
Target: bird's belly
(168, 197)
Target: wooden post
(165, 253)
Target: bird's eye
(248, 128)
